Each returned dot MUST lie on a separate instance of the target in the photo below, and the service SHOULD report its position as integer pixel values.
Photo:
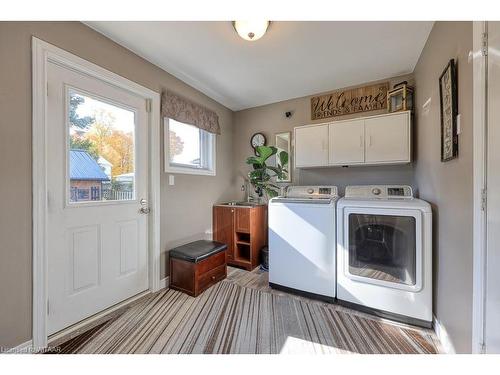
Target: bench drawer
(211, 277)
(211, 262)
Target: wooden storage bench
(197, 266)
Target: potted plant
(261, 175)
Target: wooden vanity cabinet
(243, 230)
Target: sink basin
(244, 204)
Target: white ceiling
(293, 59)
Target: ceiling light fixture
(251, 30)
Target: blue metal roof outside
(84, 167)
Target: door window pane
(383, 247)
(101, 150)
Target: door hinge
(484, 199)
(148, 105)
(484, 44)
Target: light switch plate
(459, 127)
(171, 179)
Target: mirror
(282, 143)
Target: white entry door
(492, 308)
(97, 196)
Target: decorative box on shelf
(400, 98)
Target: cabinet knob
(213, 277)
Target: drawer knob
(213, 277)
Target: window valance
(180, 109)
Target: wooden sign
(345, 102)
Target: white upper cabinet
(311, 146)
(388, 139)
(347, 142)
(382, 139)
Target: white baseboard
(443, 337)
(164, 283)
(24, 348)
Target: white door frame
(480, 132)
(42, 54)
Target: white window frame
(206, 152)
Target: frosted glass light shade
(251, 30)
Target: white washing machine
(384, 253)
(302, 241)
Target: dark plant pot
(264, 258)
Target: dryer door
(384, 247)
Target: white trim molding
(42, 54)
(165, 282)
(24, 348)
(444, 338)
(479, 61)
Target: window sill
(192, 171)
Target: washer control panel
(312, 192)
(379, 192)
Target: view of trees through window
(101, 140)
(186, 144)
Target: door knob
(144, 209)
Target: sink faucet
(246, 188)
(283, 190)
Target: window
(188, 149)
(101, 150)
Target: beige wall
(448, 186)
(186, 207)
(270, 119)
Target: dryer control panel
(379, 192)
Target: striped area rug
(230, 318)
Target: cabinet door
(223, 227)
(242, 220)
(311, 146)
(347, 142)
(388, 139)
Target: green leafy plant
(261, 175)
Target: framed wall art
(448, 93)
